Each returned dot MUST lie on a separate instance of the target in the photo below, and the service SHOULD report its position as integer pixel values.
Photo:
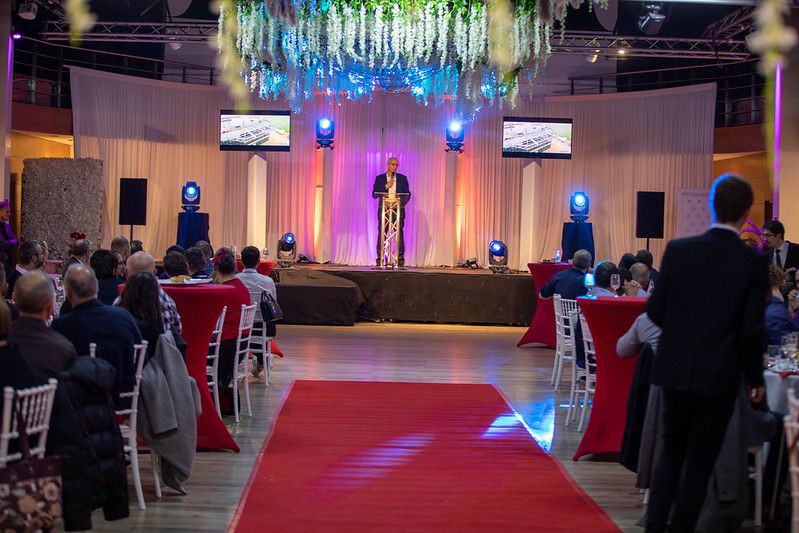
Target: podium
(389, 228)
(192, 227)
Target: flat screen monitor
(255, 130)
(544, 138)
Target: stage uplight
(578, 206)
(286, 250)
(455, 136)
(325, 129)
(17, 36)
(498, 257)
(191, 197)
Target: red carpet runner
(366, 456)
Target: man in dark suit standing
(712, 335)
(392, 183)
(780, 252)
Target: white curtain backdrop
(168, 132)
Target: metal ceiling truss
(731, 26)
(571, 42)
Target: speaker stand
(131, 235)
(647, 244)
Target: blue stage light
(325, 129)
(497, 248)
(498, 257)
(191, 196)
(578, 206)
(455, 135)
(288, 238)
(286, 250)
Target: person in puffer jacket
(84, 432)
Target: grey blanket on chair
(169, 404)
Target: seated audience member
(30, 258)
(12, 307)
(111, 328)
(602, 277)
(569, 283)
(780, 252)
(778, 318)
(225, 273)
(627, 261)
(121, 245)
(176, 248)
(45, 350)
(625, 276)
(14, 371)
(141, 298)
(176, 267)
(645, 257)
(106, 267)
(135, 246)
(643, 331)
(79, 254)
(45, 253)
(640, 282)
(144, 262)
(196, 261)
(256, 284)
(209, 252)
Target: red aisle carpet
(366, 456)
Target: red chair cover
(542, 327)
(264, 267)
(608, 319)
(199, 307)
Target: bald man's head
(141, 262)
(33, 294)
(640, 273)
(81, 285)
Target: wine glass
(557, 255)
(615, 283)
(589, 282)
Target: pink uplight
(16, 36)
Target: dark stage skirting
(443, 296)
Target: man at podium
(387, 185)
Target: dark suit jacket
(402, 187)
(12, 280)
(114, 331)
(711, 313)
(792, 261)
(46, 351)
(569, 283)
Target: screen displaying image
(255, 130)
(537, 137)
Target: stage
(341, 295)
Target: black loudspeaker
(133, 202)
(649, 215)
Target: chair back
(246, 322)
(216, 335)
(590, 350)
(255, 299)
(564, 308)
(139, 355)
(791, 423)
(36, 405)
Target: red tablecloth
(199, 307)
(264, 267)
(542, 327)
(608, 319)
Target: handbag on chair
(270, 310)
(30, 489)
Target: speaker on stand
(649, 215)
(132, 202)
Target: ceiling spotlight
(652, 18)
(16, 36)
(621, 51)
(27, 10)
(592, 58)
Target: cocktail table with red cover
(199, 307)
(264, 267)
(542, 327)
(608, 319)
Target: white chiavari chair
(212, 360)
(241, 359)
(36, 405)
(260, 343)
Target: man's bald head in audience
(141, 262)
(33, 294)
(80, 284)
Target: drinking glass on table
(557, 255)
(615, 283)
(589, 283)
(788, 352)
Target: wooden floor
(385, 352)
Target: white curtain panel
(168, 132)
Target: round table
(264, 267)
(199, 307)
(608, 319)
(542, 327)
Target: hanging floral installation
(473, 52)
